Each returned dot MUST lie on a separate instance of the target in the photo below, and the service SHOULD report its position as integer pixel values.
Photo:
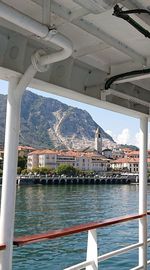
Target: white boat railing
(92, 258)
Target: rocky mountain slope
(46, 122)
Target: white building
(52, 159)
(129, 164)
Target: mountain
(48, 123)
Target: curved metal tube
(62, 42)
(16, 90)
(42, 31)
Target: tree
(22, 162)
(42, 170)
(25, 171)
(67, 170)
(1, 172)
(18, 170)
(45, 170)
(1, 164)
(35, 170)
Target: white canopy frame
(18, 84)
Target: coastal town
(74, 134)
(97, 160)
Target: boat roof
(104, 46)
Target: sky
(123, 129)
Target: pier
(58, 180)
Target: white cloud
(123, 137)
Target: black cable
(124, 75)
(124, 15)
(135, 11)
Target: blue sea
(42, 208)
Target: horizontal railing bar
(118, 252)
(73, 230)
(148, 240)
(137, 268)
(80, 265)
(148, 262)
(2, 246)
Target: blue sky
(122, 128)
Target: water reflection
(43, 208)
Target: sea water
(44, 208)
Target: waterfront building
(129, 164)
(76, 49)
(54, 158)
(135, 154)
(85, 161)
(24, 150)
(127, 151)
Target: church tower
(98, 141)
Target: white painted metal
(132, 79)
(5, 74)
(88, 27)
(78, 14)
(95, 101)
(24, 21)
(39, 30)
(109, 255)
(148, 241)
(60, 41)
(79, 265)
(9, 175)
(99, 33)
(143, 192)
(133, 4)
(91, 263)
(15, 92)
(96, 6)
(118, 252)
(148, 262)
(108, 92)
(93, 30)
(46, 19)
(137, 268)
(92, 251)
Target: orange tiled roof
(127, 149)
(134, 153)
(42, 152)
(21, 147)
(128, 160)
(69, 153)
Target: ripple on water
(43, 208)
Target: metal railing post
(8, 198)
(143, 192)
(9, 175)
(92, 251)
